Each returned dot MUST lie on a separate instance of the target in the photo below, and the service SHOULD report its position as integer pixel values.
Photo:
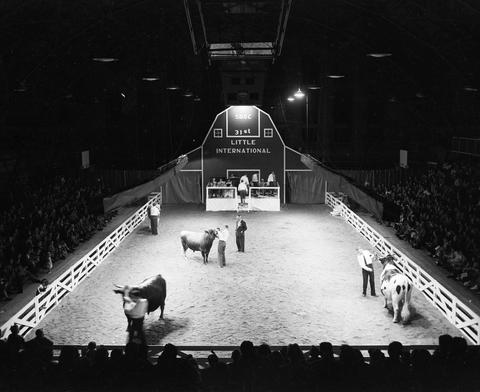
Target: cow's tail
(406, 301)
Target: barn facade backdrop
(243, 140)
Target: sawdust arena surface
(297, 282)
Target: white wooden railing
(459, 314)
(32, 313)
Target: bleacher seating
(440, 211)
(47, 221)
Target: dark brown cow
(153, 289)
(198, 242)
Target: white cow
(396, 290)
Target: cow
(198, 242)
(396, 289)
(153, 289)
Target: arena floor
(298, 281)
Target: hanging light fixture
(173, 87)
(105, 59)
(290, 99)
(379, 55)
(299, 94)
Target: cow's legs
(162, 306)
(396, 310)
(385, 301)
(185, 247)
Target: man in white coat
(365, 260)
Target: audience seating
(440, 212)
(46, 222)
(25, 366)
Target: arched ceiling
(47, 47)
(49, 44)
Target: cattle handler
(365, 259)
(154, 214)
(223, 235)
(135, 309)
(240, 228)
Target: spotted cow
(396, 289)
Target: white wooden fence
(32, 313)
(459, 314)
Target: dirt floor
(298, 281)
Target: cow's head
(388, 259)
(212, 233)
(127, 291)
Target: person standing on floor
(240, 228)
(135, 309)
(154, 215)
(223, 235)
(365, 259)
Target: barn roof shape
(240, 107)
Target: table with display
(260, 198)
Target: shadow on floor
(156, 330)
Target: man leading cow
(365, 259)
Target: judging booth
(242, 145)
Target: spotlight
(299, 94)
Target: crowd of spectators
(31, 365)
(43, 225)
(440, 211)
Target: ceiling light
(379, 55)
(173, 87)
(105, 59)
(335, 76)
(299, 94)
(469, 88)
(315, 87)
(123, 95)
(197, 99)
(150, 79)
(290, 99)
(188, 94)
